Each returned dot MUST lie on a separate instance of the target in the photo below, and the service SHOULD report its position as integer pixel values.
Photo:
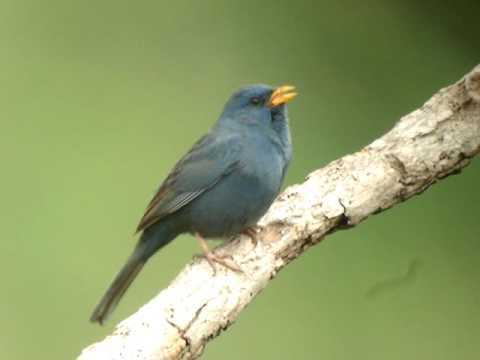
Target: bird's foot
(213, 258)
(252, 233)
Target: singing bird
(221, 187)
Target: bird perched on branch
(220, 188)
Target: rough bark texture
(435, 141)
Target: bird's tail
(148, 244)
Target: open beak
(281, 95)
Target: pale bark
(435, 141)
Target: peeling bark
(429, 144)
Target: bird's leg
(212, 258)
(251, 232)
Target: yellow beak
(281, 95)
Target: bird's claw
(212, 259)
(252, 233)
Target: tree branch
(433, 142)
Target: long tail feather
(117, 289)
(151, 240)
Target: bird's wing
(207, 162)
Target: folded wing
(211, 159)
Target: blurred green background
(98, 99)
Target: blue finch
(220, 188)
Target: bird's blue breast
(242, 197)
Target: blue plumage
(221, 187)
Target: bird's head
(261, 106)
(255, 102)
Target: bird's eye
(255, 100)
